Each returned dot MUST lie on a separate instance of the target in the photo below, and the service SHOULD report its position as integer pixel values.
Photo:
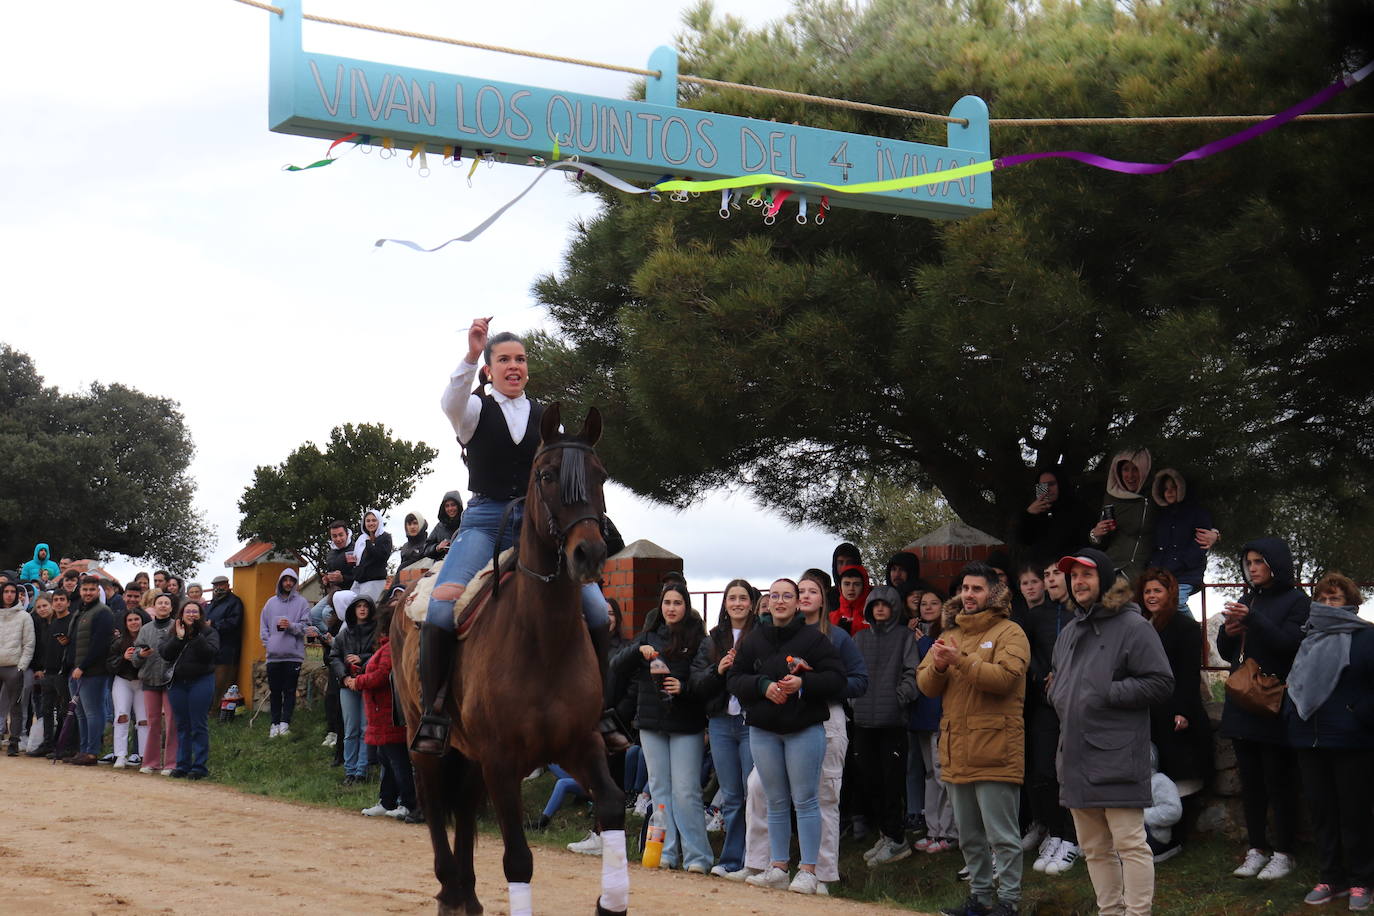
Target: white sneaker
(716, 822)
(720, 871)
(376, 810)
(805, 882)
(146, 770)
(398, 812)
(330, 740)
(121, 762)
(272, 732)
(642, 804)
(1279, 866)
(1034, 834)
(167, 772)
(741, 875)
(1255, 860)
(1064, 858)
(772, 876)
(589, 845)
(283, 729)
(870, 853)
(1049, 851)
(891, 851)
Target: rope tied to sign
(1168, 121)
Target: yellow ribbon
(866, 187)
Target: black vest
(499, 468)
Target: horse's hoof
(466, 909)
(602, 911)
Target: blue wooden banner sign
(320, 95)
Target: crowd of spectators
(1044, 707)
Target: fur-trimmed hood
(1141, 459)
(1157, 488)
(999, 605)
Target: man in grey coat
(1109, 667)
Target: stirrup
(432, 735)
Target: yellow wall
(254, 585)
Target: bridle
(560, 536)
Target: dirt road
(95, 840)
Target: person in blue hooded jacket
(32, 571)
(1183, 534)
(1266, 624)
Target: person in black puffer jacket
(348, 658)
(786, 710)
(729, 732)
(671, 720)
(445, 528)
(416, 542)
(192, 649)
(1266, 625)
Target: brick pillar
(949, 549)
(632, 579)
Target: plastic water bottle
(654, 837)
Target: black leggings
(880, 754)
(1340, 796)
(1268, 776)
(281, 685)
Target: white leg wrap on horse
(520, 900)
(615, 876)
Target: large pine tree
(1219, 313)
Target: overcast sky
(144, 198)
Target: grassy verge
(1196, 882)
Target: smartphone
(1108, 514)
(1041, 490)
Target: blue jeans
(355, 720)
(472, 549)
(730, 751)
(790, 769)
(636, 774)
(90, 710)
(1184, 590)
(565, 786)
(190, 708)
(675, 782)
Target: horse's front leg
(588, 766)
(503, 787)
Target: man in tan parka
(978, 665)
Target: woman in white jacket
(16, 651)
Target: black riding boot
(437, 647)
(611, 731)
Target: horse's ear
(548, 425)
(591, 427)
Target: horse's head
(564, 501)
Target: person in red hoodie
(854, 589)
(398, 783)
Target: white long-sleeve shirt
(464, 408)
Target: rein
(560, 536)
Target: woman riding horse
(499, 434)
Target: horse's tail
(459, 788)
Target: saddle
(470, 604)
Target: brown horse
(525, 689)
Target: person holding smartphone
(192, 649)
(1125, 528)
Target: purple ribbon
(1202, 152)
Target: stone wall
(310, 686)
